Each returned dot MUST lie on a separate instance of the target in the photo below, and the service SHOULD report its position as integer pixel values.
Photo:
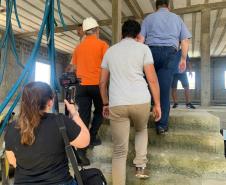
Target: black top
(45, 161)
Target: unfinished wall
(24, 49)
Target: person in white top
(124, 66)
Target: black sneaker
(95, 141)
(175, 105)
(190, 106)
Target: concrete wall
(24, 49)
(218, 92)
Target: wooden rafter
(193, 31)
(216, 24)
(107, 22)
(188, 2)
(132, 9)
(101, 9)
(92, 14)
(220, 40)
(153, 4)
(137, 6)
(171, 5)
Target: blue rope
(48, 23)
(3, 64)
(9, 37)
(16, 14)
(31, 60)
(9, 113)
(61, 16)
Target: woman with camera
(34, 144)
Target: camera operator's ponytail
(34, 100)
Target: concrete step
(188, 119)
(166, 166)
(177, 139)
(161, 178)
(185, 162)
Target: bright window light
(42, 72)
(191, 81)
(225, 79)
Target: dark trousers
(165, 64)
(85, 96)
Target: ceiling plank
(92, 14)
(180, 11)
(101, 8)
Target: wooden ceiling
(31, 13)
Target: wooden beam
(153, 5)
(216, 24)
(193, 32)
(93, 15)
(132, 9)
(205, 58)
(107, 22)
(188, 2)
(70, 27)
(220, 40)
(137, 6)
(171, 5)
(200, 7)
(116, 20)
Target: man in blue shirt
(182, 77)
(162, 31)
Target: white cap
(89, 23)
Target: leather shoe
(160, 131)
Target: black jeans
(85, 96)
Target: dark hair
(130, 28)
(162, 3)
(34, 100)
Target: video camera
(69, 80)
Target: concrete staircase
(190, 154)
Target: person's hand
(182, 65)
(106, 111)
(71, 108)
(157, 112)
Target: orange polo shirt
(87, 58)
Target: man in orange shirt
(87, 58)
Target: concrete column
(205, 58)
(116, 20)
